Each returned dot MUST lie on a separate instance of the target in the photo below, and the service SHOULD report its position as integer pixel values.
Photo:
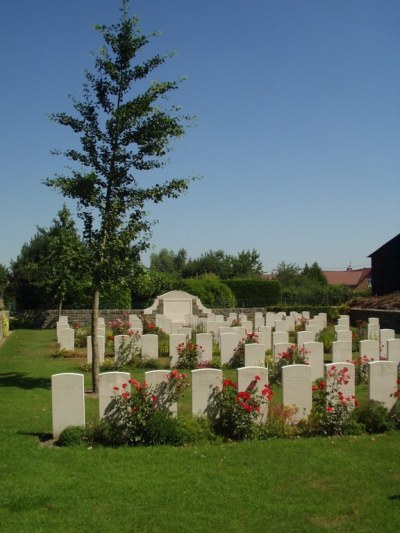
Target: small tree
(63, 264)
(121, 131)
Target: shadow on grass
(23, 381)
(43, 437)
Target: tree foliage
(169, 262)
(246, 263)
(211, 291)
(125, 127)
(4, 274)
(50, 269)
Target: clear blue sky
(297, 131)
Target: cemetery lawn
(341, 484)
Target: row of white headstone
(381, 343)
(68, 403)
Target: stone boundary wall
(387, 318)
(47, 318)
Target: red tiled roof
(351, 278)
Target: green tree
(211, 291)
(288, 274)
(123, 128)
(4, 276)
(246, 263)
(150, 284)
(314, 273)
(49, 269)
(63, 265)
(168, 261)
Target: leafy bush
(211, 291)
(189, 355)
(233, 413)
(326, 336)
(374, 417)
(237, 360)
(279, 424)
(255, 292)
(162, 428)
(72, 436)
(130, 419)
(331, 408)
(293, 356)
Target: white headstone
(369, 349)
(280, 325)
(247, 325)
(386, 335)
(122, 347)
(254, 355)
(297, 389)
(270, 319)
(393, 349)
(280, 336)
(157, 381)
(68, 401)
(382, 382)
(150, 346)
(373, 331)
(204, 382)
(341, 351)
(279, 349)
(333, 373)
(314, 353)
(265, 336)
(344, 335)
(228, 344)
(205, 341)
(175, 339)
(305, 336)
(259, 321)
(245, 377)
(102, 346)
(67, 339)
(107, 382)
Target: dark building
(385, 264)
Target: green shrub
(189, 355)
(234, 413)
(326, 336)
(279, 424)
(163, 428)
(211, 291)
(374, 417)
(237, 360)
(255, 292)
(72, 436)
(197, 430)
(129, 418)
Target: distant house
(385, 262)
(356, 280)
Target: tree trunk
(95, 343)
(59, 309)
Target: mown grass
(319, 484)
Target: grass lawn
(319, 484)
